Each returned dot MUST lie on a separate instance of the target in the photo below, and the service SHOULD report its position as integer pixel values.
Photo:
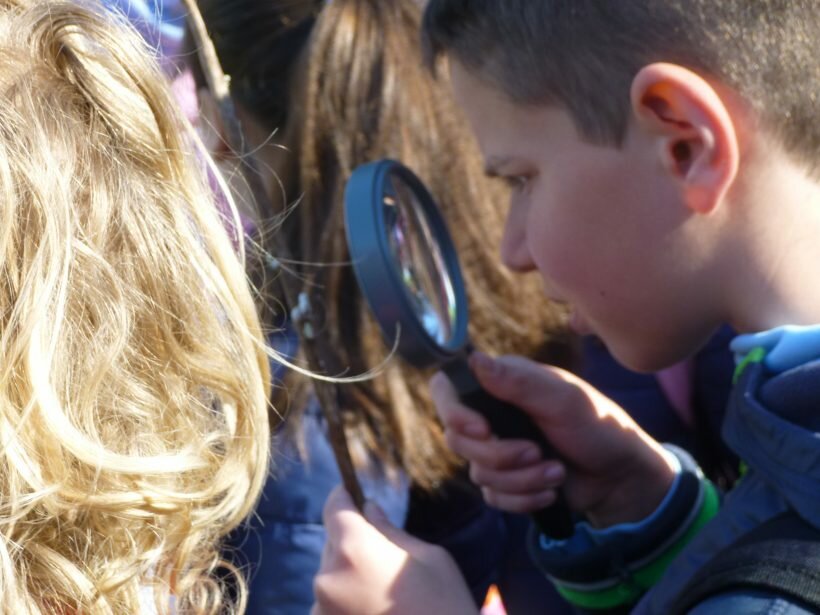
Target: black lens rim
(373, 264)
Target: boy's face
(605, 227)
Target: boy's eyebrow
(493, 164)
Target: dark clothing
(490, 545)
(282, 545)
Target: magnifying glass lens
(419, 260)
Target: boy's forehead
(475, 95)
(505, 129)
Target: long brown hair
(344, 83)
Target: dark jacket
(490, 546)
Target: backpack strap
(781, 556)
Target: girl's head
(133, 427)
(342, 83)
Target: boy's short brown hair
(583, 55)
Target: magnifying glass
(408, 271)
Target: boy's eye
(516, 182)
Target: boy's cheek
(566, 274)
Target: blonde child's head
(133, 384)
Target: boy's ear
(693, 128)
(210, 127)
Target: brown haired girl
(321, 88)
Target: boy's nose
(514, 251)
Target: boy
(663, 158)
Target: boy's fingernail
(554, 473)
(475, 430)
(530, 455)
(480, 362)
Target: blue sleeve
(607, 570)
(520, 583)
(280, 547)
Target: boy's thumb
(524, 383)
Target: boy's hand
(610, 470)
(369, 566)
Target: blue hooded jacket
(773, 425)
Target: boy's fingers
(526, 481)
(533, 387)
(492, 453)
(516, 503)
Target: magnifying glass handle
(509, 422)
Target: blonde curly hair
(134, 380)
